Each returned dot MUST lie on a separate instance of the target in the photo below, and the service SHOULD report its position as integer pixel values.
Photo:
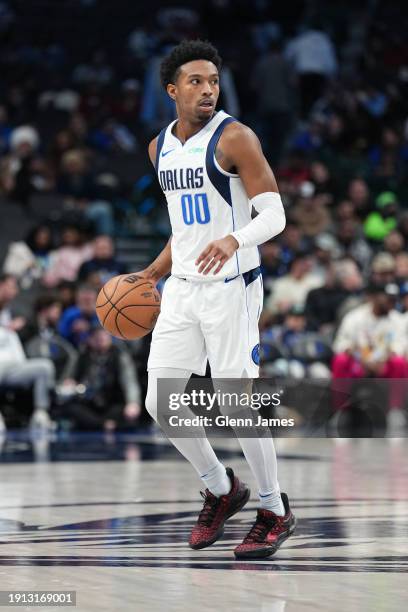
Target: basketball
(128, 306)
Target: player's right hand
(148, 275)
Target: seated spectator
(41, 338)
(296, 351)
(401, 268)
(350, 279)
(292, 242)
(369, 343)
(290, 290)
(310, 212)
(23, 172)
(359, 195)
(326, 250)
(353, 244)
(383, 220)
(17, 371)
(390, 158)
(394, 243)
(68, 258)
(271, 260)
(66, 291)
(345, 211)
(8, 292)
(77, 321)
(103, 265)
(323, 303)
(110, 398)
(382, 269)
(77, 184)
(29, 259)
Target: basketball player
(212, 171)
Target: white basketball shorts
(216, 320)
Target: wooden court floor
(113, 526)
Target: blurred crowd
(325, 90)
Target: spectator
(68, 258)
(41, 338)
(77, 184)
(29, 259)
(323, 303)
(325, 252)
(345, 211)
(16, 371)
(275, 97)
(302, 353)
(394, 243)
(401, 268)
(382, 269)
(8, 292)
(359, 195)
(352, 244)
(314, 59)
(111, 395)
(369, 343)
(66, 291)
(310, 212)
(103, 265)
(77, 321)
(22, 172)
(382, 221)
(271, 260)
(290, 290)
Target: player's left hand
(216, 254)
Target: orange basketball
(128, 306)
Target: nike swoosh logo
(164, 153)
(228, 280)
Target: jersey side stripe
(160, 141)
(220, 181)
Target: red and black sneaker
(216, 510)
(267, 534)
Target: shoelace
(260, 529)
(210, 507)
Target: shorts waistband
(248, 277)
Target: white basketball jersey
(205, 202)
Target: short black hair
(184, 52)
(44, 301)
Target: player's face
(196, 90)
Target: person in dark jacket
(106, 392)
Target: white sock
(273, 502)
(217, 480)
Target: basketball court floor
(109, 518)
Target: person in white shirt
(369, 343)
(314, 60)
(291, 289)
(16, 370)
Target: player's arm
(240, 149)
(162, 264)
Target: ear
(171, 90)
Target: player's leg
(225, 494)
(177, 350)
(197, 450)
(232, 339)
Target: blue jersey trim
(251, 275)
(160, 141)
(220, 181)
